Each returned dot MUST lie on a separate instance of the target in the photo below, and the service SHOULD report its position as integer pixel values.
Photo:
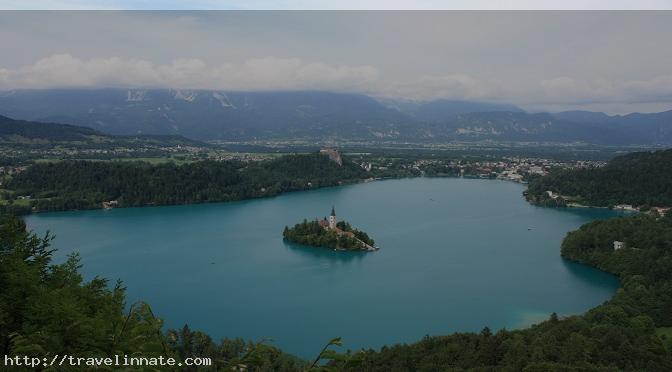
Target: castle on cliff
(333, 155)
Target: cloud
(335, 4)
(454, 86)
(572, 90)
(274, 73)
(4, 76)
(268, 73)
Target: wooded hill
(69, 185)
(641, 178)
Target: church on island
(330, 224)
(328, 232)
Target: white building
(618, 245)
(626, 207)
(332, 219)
(551, 194)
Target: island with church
(329, 233)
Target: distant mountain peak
(223, 100)
(581, 116)
(443, 110)
(185, 95)
(136, 95)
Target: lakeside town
(517, 169)
(520, 169)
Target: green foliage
(641, 178)
(13, 208)
(644, 265)
(326, 353)
(361, 235)
(231, 354)
(85, 184)
(311, 233)
(48, 309)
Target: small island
(329, 233)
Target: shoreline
(152, 205)
(343, 183)
(620, 286)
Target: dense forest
(627, 332)
(311, 233)
(641, 178)
(69, 185)
(47, 309)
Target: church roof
(333, 212)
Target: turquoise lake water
(456, 255)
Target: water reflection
(589, 275)
(592, 213)
(325, 253)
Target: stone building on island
(330, 224)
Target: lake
(456, 255)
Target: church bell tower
(332, 219)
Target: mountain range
(317, 115)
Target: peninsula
(329, 233)
(638, 181)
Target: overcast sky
(613, 61)
(334, 4)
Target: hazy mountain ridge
(222, 115)
(580, 116)
(23, 132)
(211, 115)
(443, 110)
(14, 130)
